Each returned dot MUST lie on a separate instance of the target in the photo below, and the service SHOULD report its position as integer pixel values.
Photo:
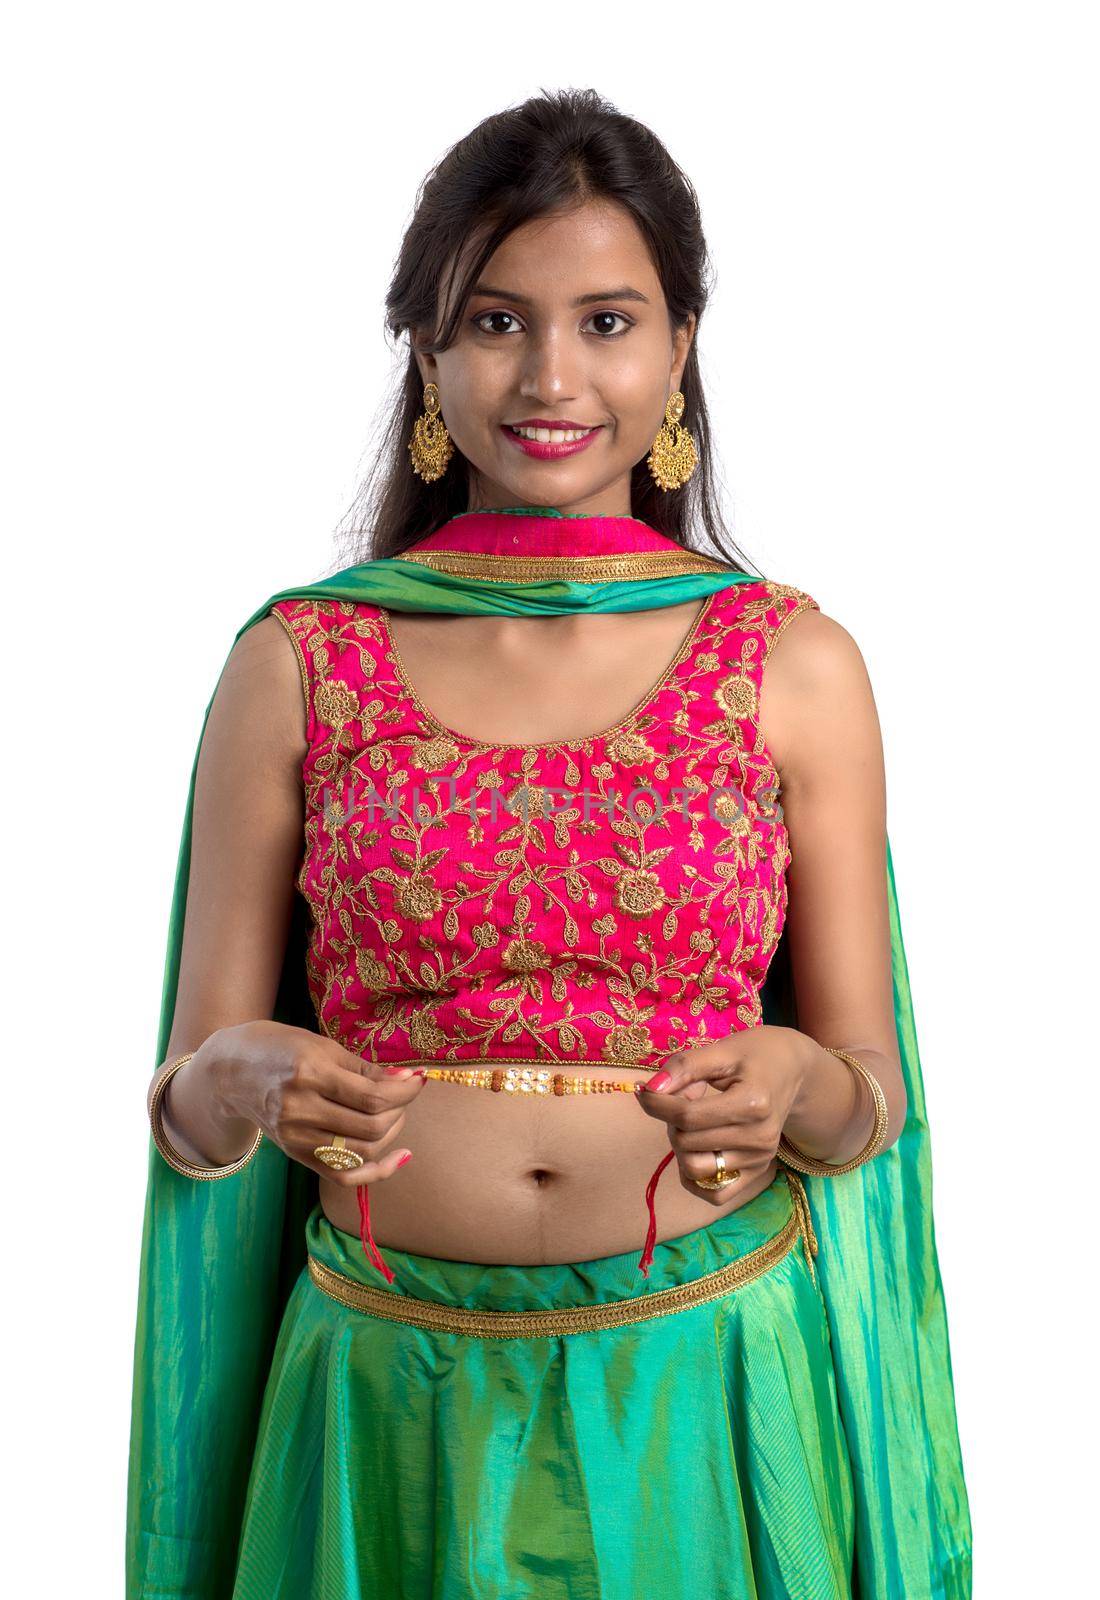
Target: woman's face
(568, 325)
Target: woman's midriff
(529, 1179)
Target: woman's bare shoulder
(258, 703)
(816, 690)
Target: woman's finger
(378, 1161)
(365, 1128)
(717, 1062)
(695, 1167)
(704, 1164)
(369, 1093)
(726, 1136)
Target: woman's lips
(547, 451)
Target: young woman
(496, 808)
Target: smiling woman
(554, 372)
(495, 807)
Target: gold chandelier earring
(430, 446)
(672, 459)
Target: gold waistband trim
(625, 567)
(546, 1324)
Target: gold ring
(337, 1156)
(721, 1176)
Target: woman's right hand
(302, 1089)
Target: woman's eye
(611, 333)
(507, 315)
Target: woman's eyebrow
(625, 292)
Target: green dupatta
(218, 1260)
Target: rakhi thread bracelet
(527, 1080)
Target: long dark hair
(555, 150)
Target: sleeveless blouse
(590, 902)
(585, 901)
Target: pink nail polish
(659, 1080)
(406, 1157)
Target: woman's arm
(819, 719)
(247, 839)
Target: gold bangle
(180, 1163)
(824, 1169)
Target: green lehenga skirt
(484, 1432)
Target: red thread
(651, 1236)
(365, 1234)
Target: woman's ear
(681, 347)
(426, 364)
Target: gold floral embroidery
(638, 892)
(736, 695)
(525, 955)
(335, 703)
(432, 914)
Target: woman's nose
(553, 368)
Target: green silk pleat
(699, 1453)
(221, 1296)
(881, 1282)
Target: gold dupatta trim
(627, 566)
(439, 1318)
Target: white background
(202, 207)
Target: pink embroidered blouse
(587, 902)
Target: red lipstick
(544, 450)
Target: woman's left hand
(733, 1095)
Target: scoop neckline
(573, 743)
